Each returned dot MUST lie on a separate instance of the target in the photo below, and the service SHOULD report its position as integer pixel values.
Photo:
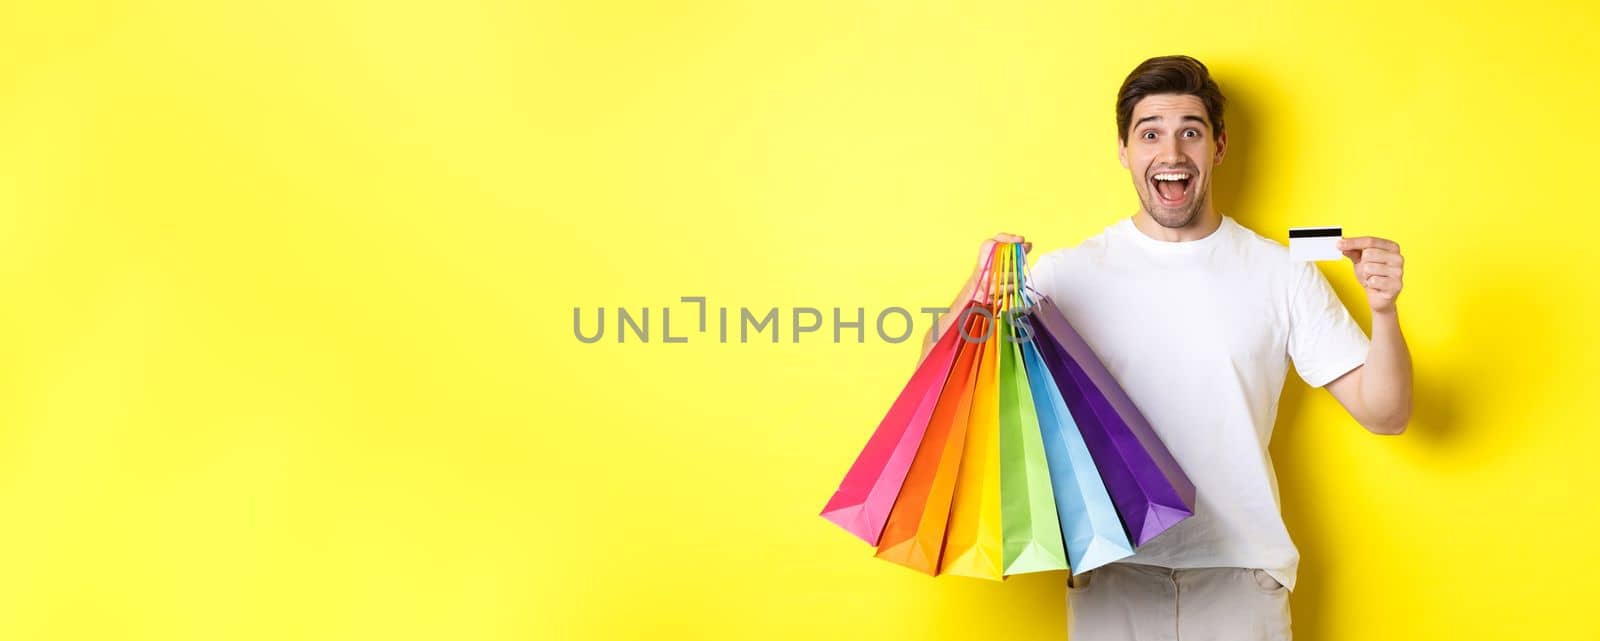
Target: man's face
(1170, 153)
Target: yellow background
(288, 286)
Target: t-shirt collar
(1182, 246)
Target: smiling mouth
(1172, 188)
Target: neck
(1206, 222)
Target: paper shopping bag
(1089, 526)
(973, 541)
(1150, 491)
(1031, 532)
(914, 535)
(865, 497)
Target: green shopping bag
(1031, 531)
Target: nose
(1170, 154)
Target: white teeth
(1171, 176)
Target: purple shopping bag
(1150, 491)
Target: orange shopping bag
(914, 536)
(973, 545)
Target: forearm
(1386, 377)
(948, 320)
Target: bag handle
(999, 298)
(1019, 263)
(980, 291)
(1005, 265)
(994, 284)
(1015, 263)
(1029, 295)
(1024, 275)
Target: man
(1198, 318)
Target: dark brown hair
(1169, 74)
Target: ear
(1122, 153)
(1222, 148)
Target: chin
(1173, 219)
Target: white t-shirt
(1200, 335)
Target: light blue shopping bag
(1089, 524)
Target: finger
(1385, 284)
(1354, 255)
(1387, 291)
(1013, 239)
(1377, 269)
(1383, 256)
(1380, 255)
(1027, 247)
(1368, 242)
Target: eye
(1149, 135)
(1191, 133)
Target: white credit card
(1315, 243)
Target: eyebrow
(1186, 118)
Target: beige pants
(1128, 602)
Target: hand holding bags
(1011, 450)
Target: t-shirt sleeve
(1324, 341)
